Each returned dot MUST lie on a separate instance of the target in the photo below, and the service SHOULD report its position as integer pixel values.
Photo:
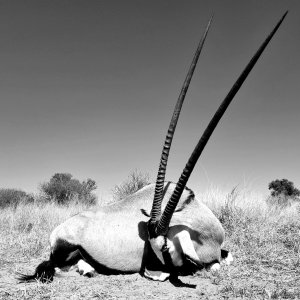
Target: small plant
(228, 215)
(135, 181)
(63, 188)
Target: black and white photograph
(149, 149)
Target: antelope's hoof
(156, 275)
(85, 269)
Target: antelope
(160, 231)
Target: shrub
(283, 192)
(63, 188)
(12, 197)
(135, 181)
(283, 187)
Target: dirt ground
(247, 278)
(70, 285)
(228, 284)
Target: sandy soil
(70, 285)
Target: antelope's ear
(145, 213)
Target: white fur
(187, 246)
(156, 275)
(85, 269)
(214, 268)
(157, 245)
(228, 260)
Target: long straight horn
(156, 207)
(163, 225)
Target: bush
(63, 189)
(283, 187)
(135, 181)
(12, 197)
(283, 192)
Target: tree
(63, 188)
(283, 187)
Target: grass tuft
(135, 181)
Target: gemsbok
(162, 230)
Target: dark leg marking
(65, 254)
(224, 253)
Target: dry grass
(134, 182)
(264, 240)
(25, 229)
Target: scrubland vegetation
(265, 241)
(263, 237)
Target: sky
(88, 88)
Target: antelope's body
(161, 230)
(116, 236)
